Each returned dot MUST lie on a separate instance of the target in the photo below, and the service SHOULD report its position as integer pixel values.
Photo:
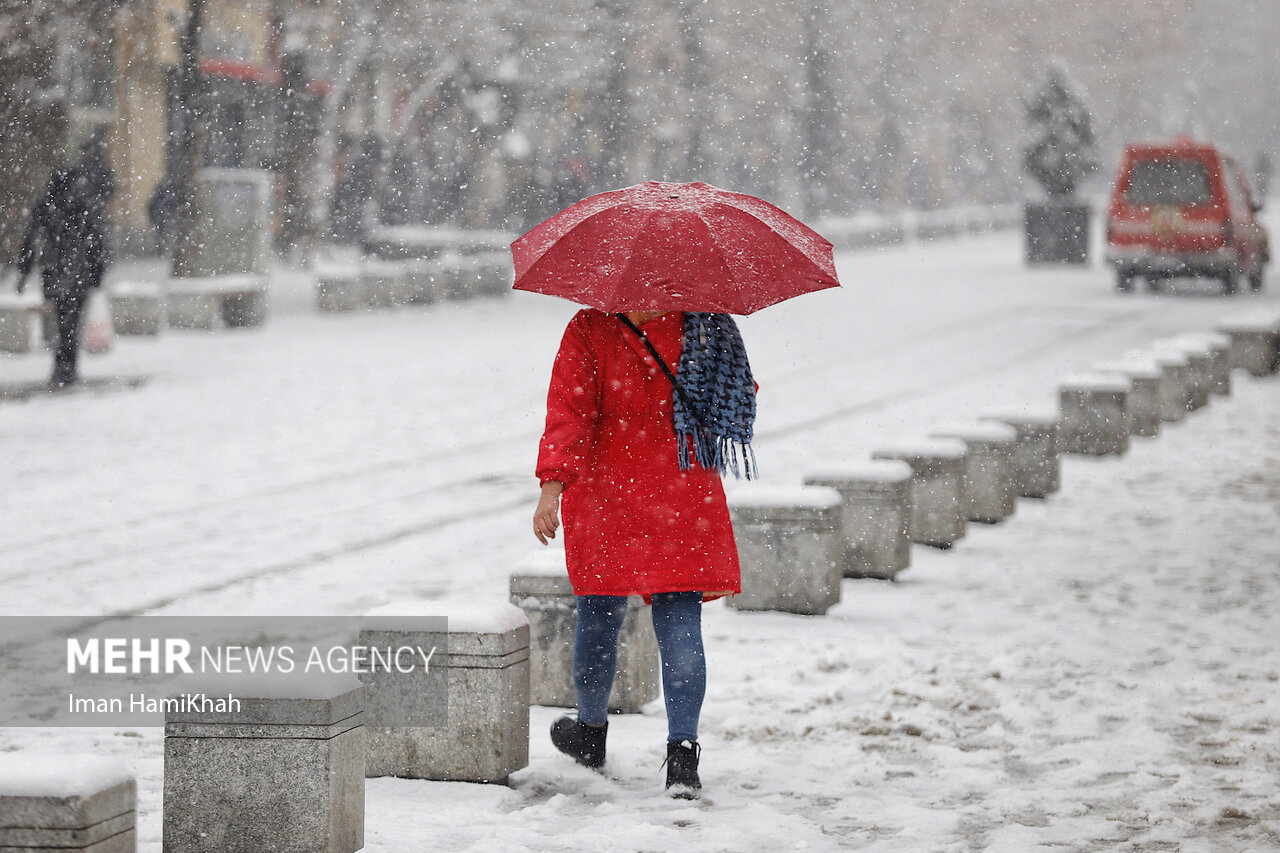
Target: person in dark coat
(162, 210)
(68, 235)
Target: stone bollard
(876, 499)
(1200, 359)
(137, 308)
(66, 803)
(790, 548)
(1036, 461)
(1255, 342)
(988, 469)
(1174, 390)
(540, 587)
(15, 322)
(191, 309)
(339, 288)
(455, 278)
(1218, 347)
(284, 772)
(1095, 415)
(1144, 376)
(494, 273)
(383, 283)
(468, 714)
(937, 489)
(421, 281)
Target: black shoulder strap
(688, 404)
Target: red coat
(633, 521)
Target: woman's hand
(546, 518)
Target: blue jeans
(677, 622)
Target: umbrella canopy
(673, 247)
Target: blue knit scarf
(716, 381)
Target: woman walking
(644, 411)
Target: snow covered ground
(1099, 672)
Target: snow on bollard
(66, 803)
(876, 499)
(540, 587)
(16, 328)
(1174, 390)
(284, 771)
(1036, 460)
(1144, 376)
(338, 288)
(937, 489)
(199, 302)
(1219, 349)
(790, 548)
(988, 469)
(137, 308)
(464, 716)
(383, 283)
(1255, 342)
(1095, 415)
(421, 281)
(1200, 359)
(188, 308)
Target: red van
(1184, 209)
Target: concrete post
(478, 681)
(1255, 342)
(540, 587)
(339, 288)
(383, 283)
(137, 308)
(1036, 460)
(1220, 346)
(285, 772)
(937, 489)
(66, 803)
(15, 322)
(790, 547)
(1095, 414)
(876, 499)
(1200, 359)
(1144, 376)
(421, 281)
(1174, 390)
(988, 469)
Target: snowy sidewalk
(1098, 673)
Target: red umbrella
(673, 247)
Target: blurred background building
(494, 113)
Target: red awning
(251, 73)
(238, 70)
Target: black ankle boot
(682, 770)
(581, 742)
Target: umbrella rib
(631, 255)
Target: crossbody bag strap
(684, 398)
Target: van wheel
(1153, 284)
(1124, 282)
(1229, 283)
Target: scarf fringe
(717, 453)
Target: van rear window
(1171, 181)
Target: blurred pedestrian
(68, 235)
(351, 215)
(162, 210)
(634, 463)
